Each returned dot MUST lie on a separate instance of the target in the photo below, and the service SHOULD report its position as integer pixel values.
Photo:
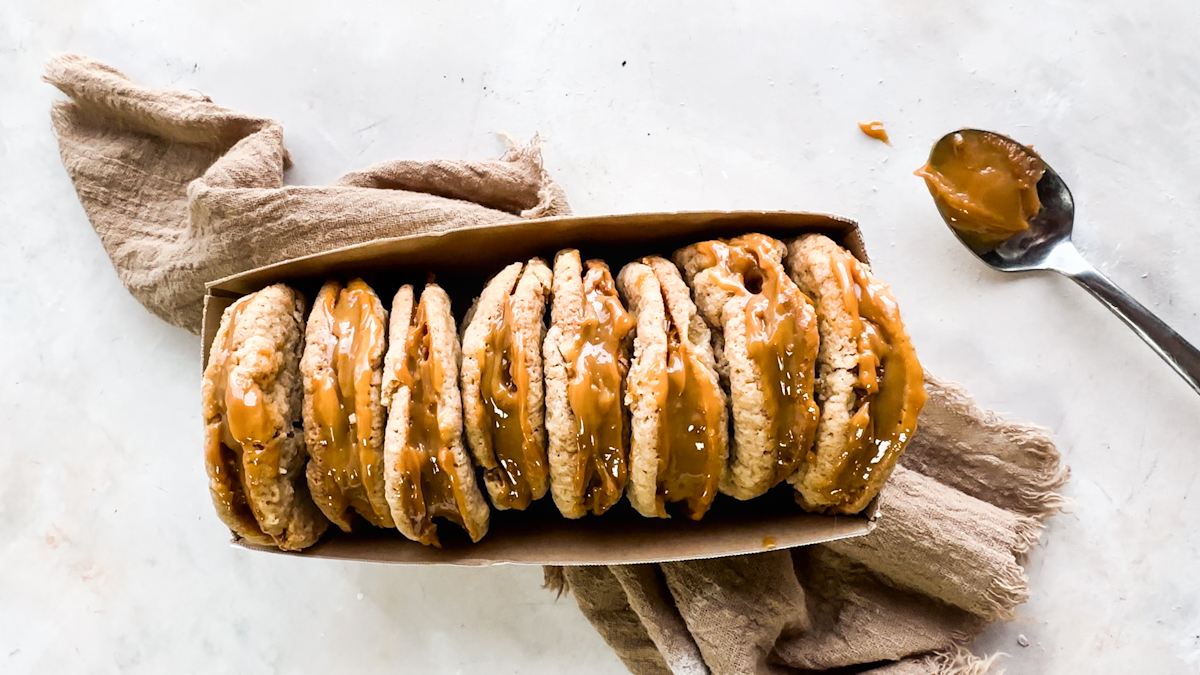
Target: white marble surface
(111, 559)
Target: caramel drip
(890, 387)
(689, 450)
(596, 369)
(516, 457)
(342, 400)
(429, 484)
(985, 186)
(781, 339)
(874, 129)
(244, 434)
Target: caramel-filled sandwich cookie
(679, 438)
(869, 381)
(253, 448)
(503, 404)
(343, 418)
(769, 355)
(587, 353)
(427, 472)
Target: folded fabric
(957, 519)
(182, 191)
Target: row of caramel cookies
(741, 364)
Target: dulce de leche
(689, 434)
(781, 339)
(596, 367)
(429, 484)
(518, 457)
(342, 403)
(244, 453)
(984, 185)
(890, 389)
(874, 129)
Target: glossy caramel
(341, 400)
(874, 129)
(241, 437)
(689, 447)
(781, 339)
(985, 186)
(596, 366)
(429, 484)
(890, 387)
(518, 458)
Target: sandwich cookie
(679, 440)
(587, 358)
(343, 417)
(251, 398)
(427, 472)
(768, 355)
(503, 404)
(869, 381)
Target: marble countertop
(111, 557)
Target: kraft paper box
(462, 261)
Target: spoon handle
(1175, 350)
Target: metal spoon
(1046, 245)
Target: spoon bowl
(1046, 245)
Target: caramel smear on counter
(875, 130)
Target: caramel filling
(244, 452)
(890, 387)
(985, 187)
(689, 451)
(596, 369)
(875, 130)
(517, 459)
(342, 400)
(781, 338)
(429, 485)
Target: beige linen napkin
(182, 191)
(958, 517)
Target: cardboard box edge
(215, 295)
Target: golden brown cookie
(869, 382)
(428, 473)
(768, 348)
(251, 396)
(679, 441)
(503, 402)
(342, 370)
(587, 353)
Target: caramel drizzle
(781, 339)
(429, 484)
(689, 440)
(596, 370)
(890, 386)
(244, 450)
(342, 401)
(515, 456)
